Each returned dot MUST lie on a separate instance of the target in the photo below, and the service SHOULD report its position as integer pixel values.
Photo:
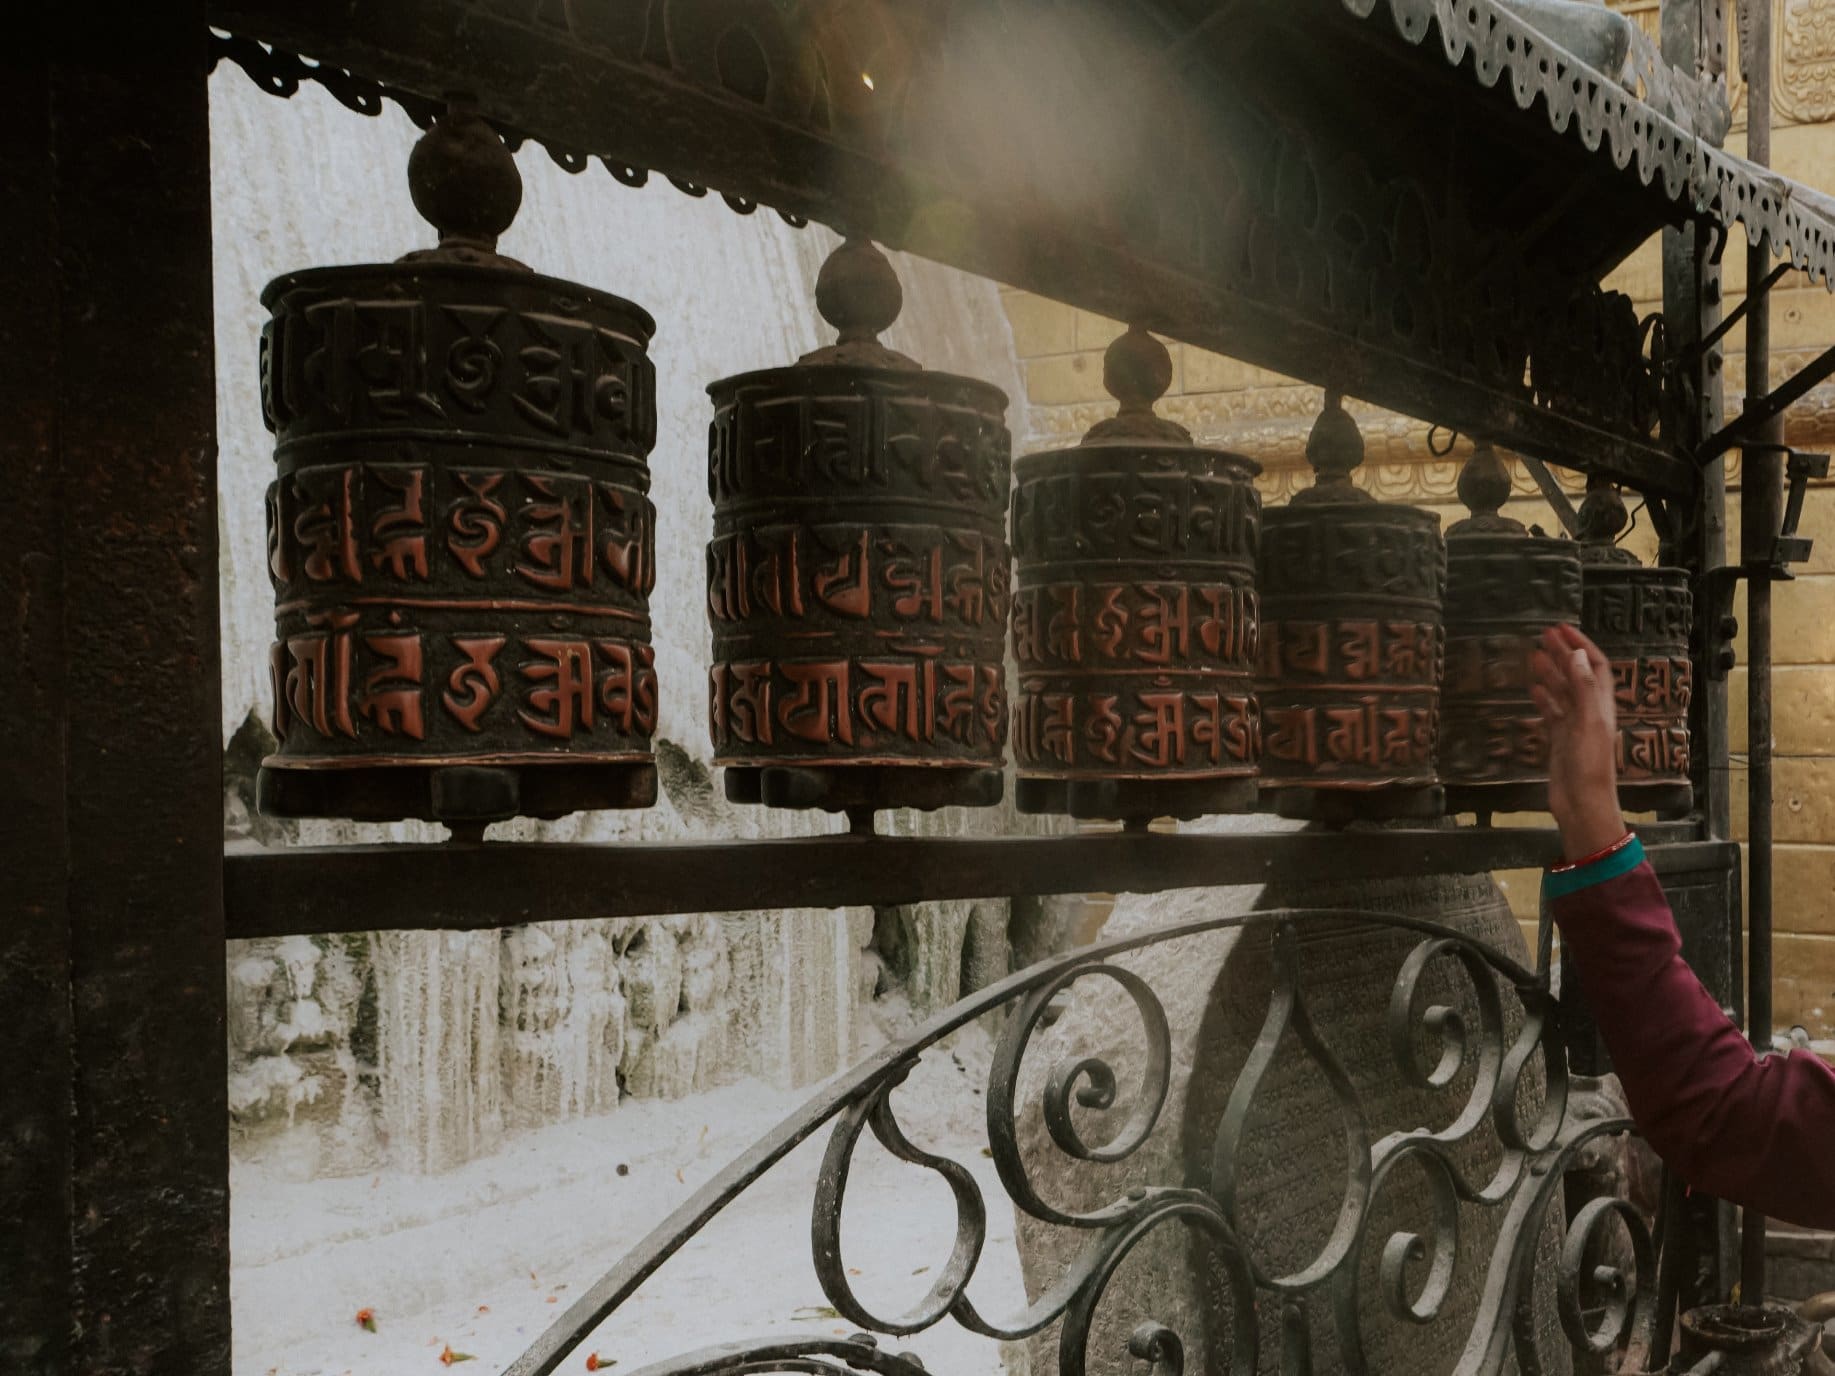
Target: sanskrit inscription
(346, 352)
(1386, 736)
(1503, 590)
(927, 576)
(1136, 622)
(1352, 646)
(347, 691)
(874, 709)
(1640, 618)
(858, 578)
(460, 533)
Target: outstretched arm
(1758, 1132)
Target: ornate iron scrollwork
(1463, 1021)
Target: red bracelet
(1597, 855)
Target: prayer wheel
(1351, 639)
(857, 580)
(460, 534)
(1640, 619)
(1134, 613)
(1504, 587)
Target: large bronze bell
(460, 535)
(1639, 617)
(1351, 592)
(1504, 587)
(1134, 613)
(857, 580)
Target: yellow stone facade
(1232, 405)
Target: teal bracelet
(1561, 883)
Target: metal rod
(1558, 501)
(1675, 1239)
(459, 886)
(1738, 313)
(1762, 427)
(1764, 409)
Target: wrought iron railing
(1464, 1023)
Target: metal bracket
(1759, 410)
(1718, 624)
(1558, 501)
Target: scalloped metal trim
(1710, 182)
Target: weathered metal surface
(1640, 619)
(114, 1210)
(1749, 1340)
(1352, 591)
(1270, 228)
(1102, 1110)
(1135, 615)
(857, 580)
(1673, 148)
(466, 886)
(460, 537)
(1504, 586)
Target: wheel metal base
(1523, 796)
(1340, 806)
(1654, 797)
(1126, 800)
(856, 788)
(460, 793)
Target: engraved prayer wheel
(1134, 613)
(1504, 587)
(1351, 640)
(857, 580)
(460, 534)
(1640, 619)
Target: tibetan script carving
(858, 576)
(1640, 618)
(460, 534)
(1352, 645)
(1136, 624)
(1503, 590)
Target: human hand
(1573, 689)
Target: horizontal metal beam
(470, 886)
(1749, 424)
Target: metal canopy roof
(1298, 183)
(1596, 75)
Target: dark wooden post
(114, 1252)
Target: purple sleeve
(1757, 1132)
